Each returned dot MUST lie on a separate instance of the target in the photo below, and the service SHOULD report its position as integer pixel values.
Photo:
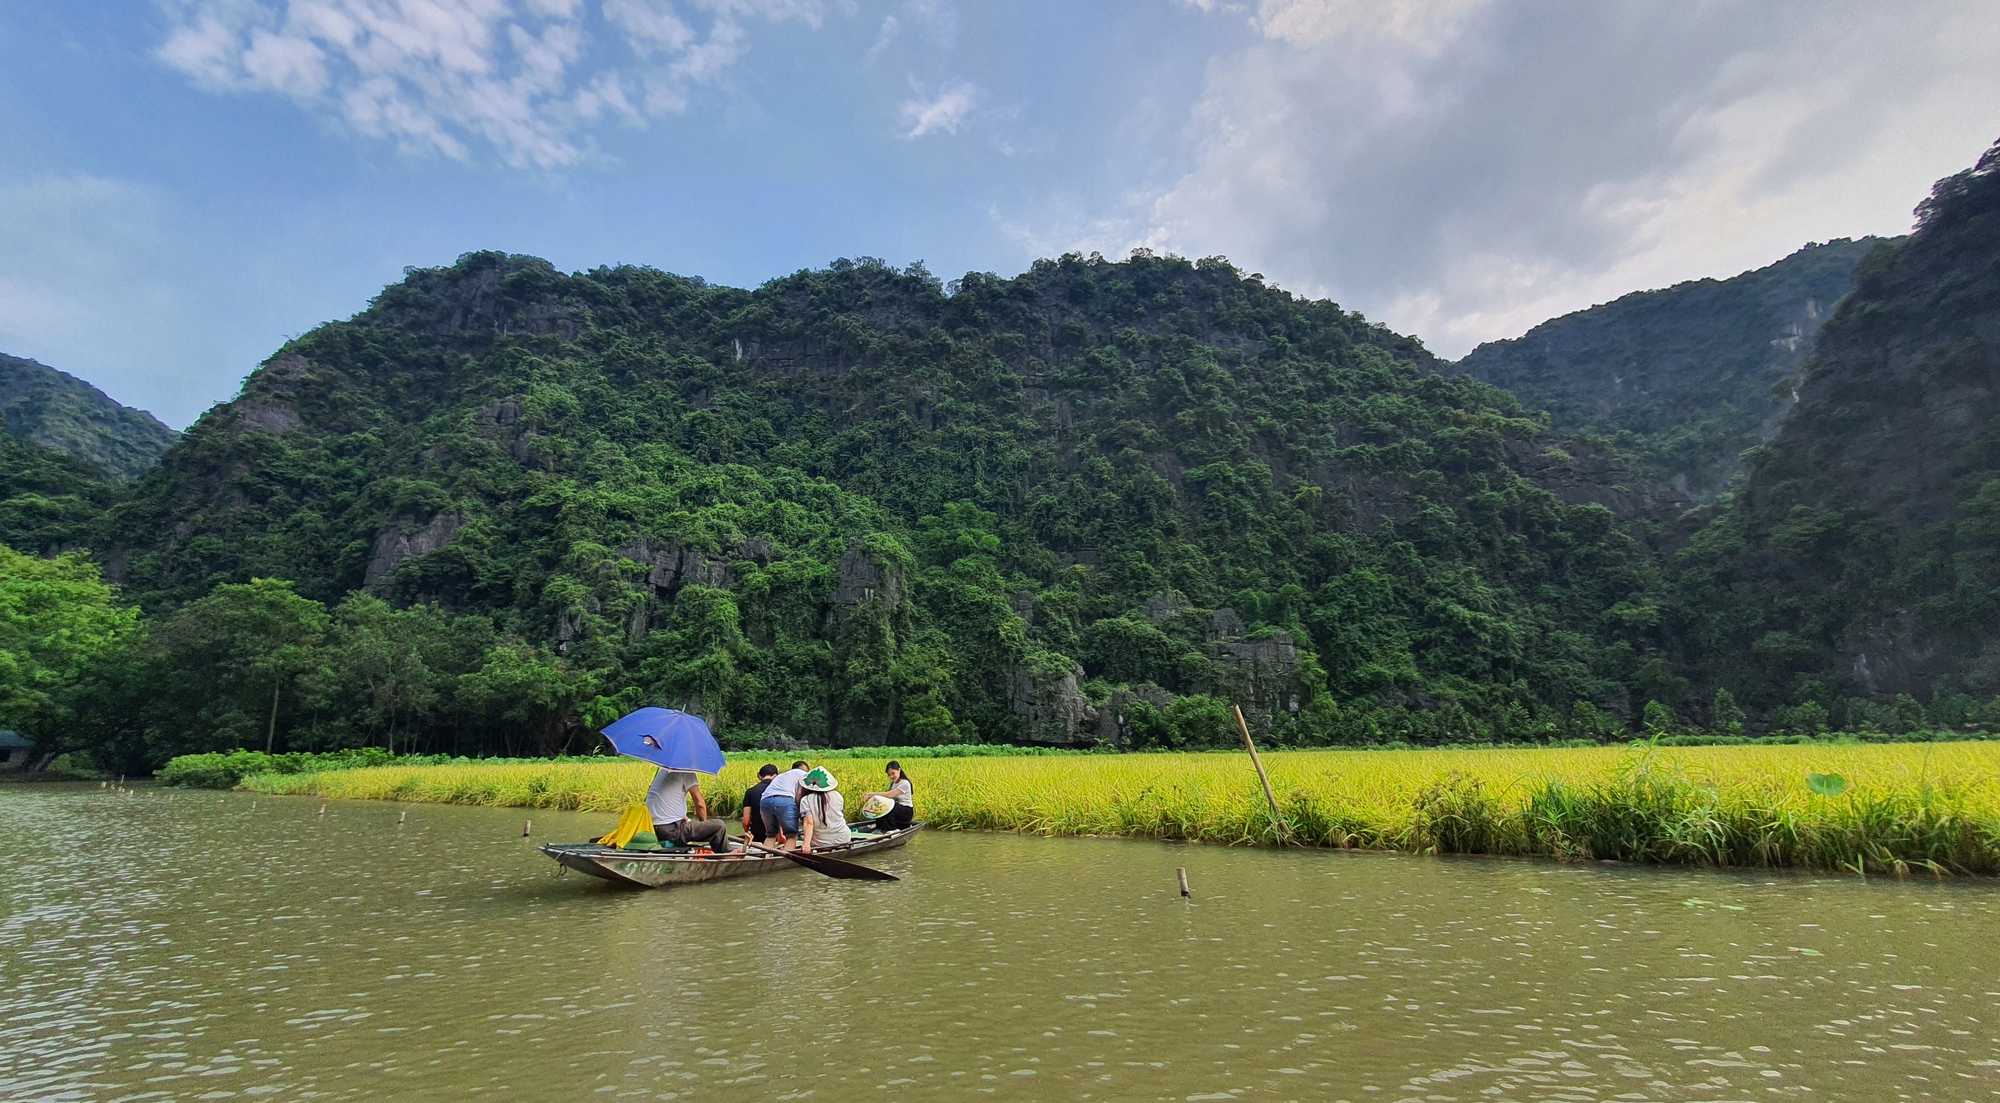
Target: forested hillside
(1685, 378)
(1862, 557)
(60, 412)
(1093, 503)
(49, 502)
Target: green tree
(1725, 716)
(528, 687)
(244, 644)
(57, 619)
(386, 654)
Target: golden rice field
(1930, 806)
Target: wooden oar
(831, 867)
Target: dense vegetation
(1685, 378)
(1861, 559)
(49, 502)
(1880, 809)
(1095, 503)
(60, 412)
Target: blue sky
(189, 182)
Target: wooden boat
(658, 869)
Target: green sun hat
(820, 780)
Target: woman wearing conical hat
(822, 812)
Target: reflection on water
(209, 947)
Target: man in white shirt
(666, 802)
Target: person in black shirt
(753, 824)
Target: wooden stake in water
(1270, 798)
(526, 828)
(1181, 872)
(322, 809)
(402, 817)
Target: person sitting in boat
(903, 802)
(822, 812)
(753, 803)
(667, 801)
(780, 806)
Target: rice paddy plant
(1901, 808)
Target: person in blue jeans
(780, 807)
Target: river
(204, 946)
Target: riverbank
(1887, 809)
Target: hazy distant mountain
(1684, 378)
(61, 412)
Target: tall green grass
(1929, 807)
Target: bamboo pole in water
(1277, 821)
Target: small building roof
(11, 738)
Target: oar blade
(834, 867)
(829, 865)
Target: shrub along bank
(1877, 808)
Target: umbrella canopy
(666, 737)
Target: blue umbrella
(666, 737)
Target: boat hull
(650, 869)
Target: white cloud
(649, 25)
(942, 113)
(445, 76)
(1425, 25)
(1464, 169)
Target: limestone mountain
(1094, 501)
(1683, 378)
(58, 411)
(1862, 556)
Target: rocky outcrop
(1224, 624)
(484, 293)
(406, 538)
(1262, 675)
(505, 422)
(672, 565)
(269, 402)
(498, 417)
(1051, 708)
(1114, 723)
(872, 620)
(1581, 475)
(861, 580)
(267, 417)
(1163, 605)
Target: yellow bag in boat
(634, 820)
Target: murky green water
(201, 948)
